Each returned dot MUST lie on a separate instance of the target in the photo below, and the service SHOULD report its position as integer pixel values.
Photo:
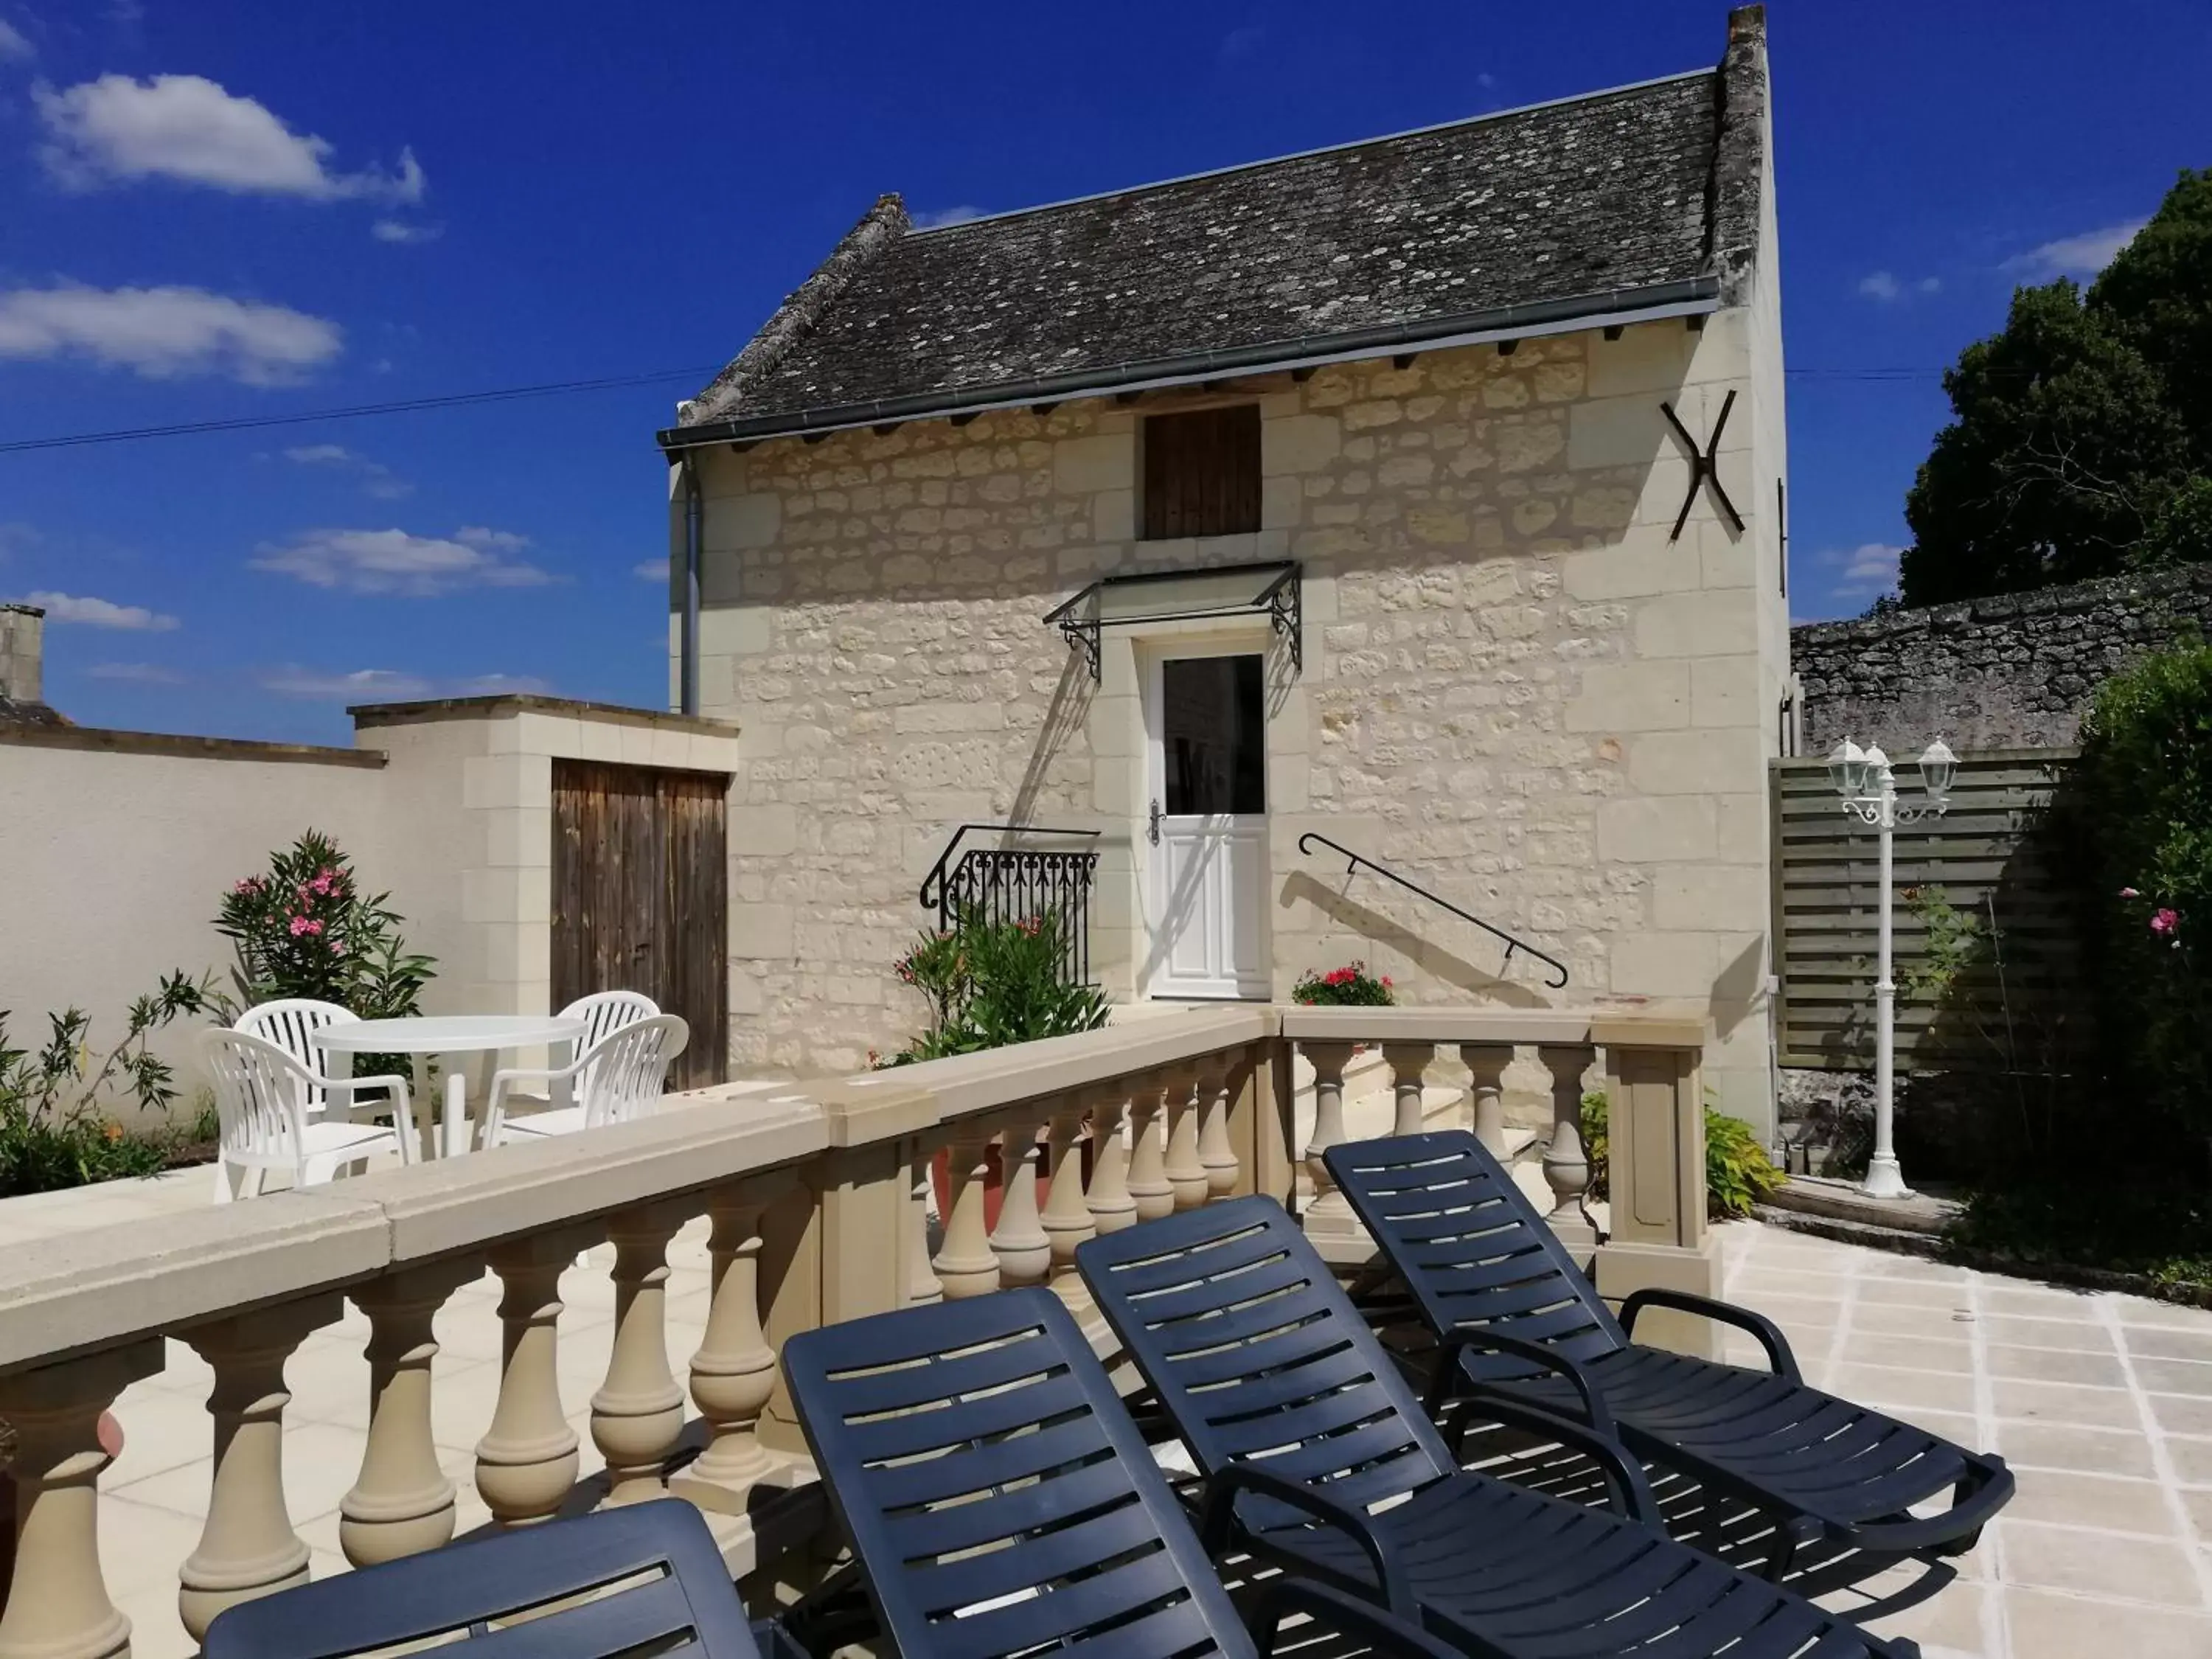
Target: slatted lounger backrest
(1259, 1355)
(661, 1588)
(997, 1493)
(1472, 1248)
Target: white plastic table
(475, 1039)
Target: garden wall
(116, 847)
(2013, 671)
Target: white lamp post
(1868, 790)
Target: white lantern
(1847, 770)
(1938, 766)
(1878, 775)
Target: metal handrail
(933, 884)
(1511, 943)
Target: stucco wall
(115, 847)
(114, 860)
(1515, 689)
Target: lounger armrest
(1627, 1491)
(1381, 1632)
(1445, 1383)
(1779, 1359)
(1217, 1515)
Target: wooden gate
(640, 892)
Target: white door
(1207, 824)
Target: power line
(557, 388)
(399, 406)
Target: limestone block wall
(1515, 689)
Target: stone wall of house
(2016, 671)
(1517, 690)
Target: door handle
(1153, 830)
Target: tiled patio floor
(2102, 1404)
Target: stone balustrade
(818, 1203)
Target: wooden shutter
(1202, 472)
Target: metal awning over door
(1269, 590)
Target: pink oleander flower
(251, 884)
(321, 884)
(2129, 892)
(2165, 921)
(304, 925)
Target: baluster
(1407, 1062)
(1111, 1206)
(1186, 1174)
(922, 1283)
(637, 1415)
(57, 1605)
(1148, 1175)
(1067, 1219)
(1217, 1154)
(733, 1373)
(248, 1547)
(1487, 1063)
(1566, 1166)
(1024, 1250)
(965, 1264)
(1329, 1212)
(527, 1462)
(401, 1503)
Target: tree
(2062, 454)
(2157, 296)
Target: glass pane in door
(1213, 735)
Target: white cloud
(363, 685)
(394, 230)
(135, 673)
(938, 218)
(650, 570)
(1888, 288)
(186, 127)
(1862, 572)
(395, 561)
(13, 45)
(101, 613)
(376, 478)
(2075, 255)
(163, 333)
(502, 685)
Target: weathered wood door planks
(641, 883)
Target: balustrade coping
(106, 1286)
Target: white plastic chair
(604, 1014)
(291, 1022)
(619, 1078)
(261, 1099)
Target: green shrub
(2159, 1228)
(304, 929)
(2137, 814)
(54, 1130)
(1349, 986)
(1738, 1172)
(991, 983)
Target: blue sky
(264, 209)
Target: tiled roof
(1644, 187)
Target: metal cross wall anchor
(1703, 469)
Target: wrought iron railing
(1512, 945)
(1017, 884)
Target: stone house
(1455, 463)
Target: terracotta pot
(994, 1181)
